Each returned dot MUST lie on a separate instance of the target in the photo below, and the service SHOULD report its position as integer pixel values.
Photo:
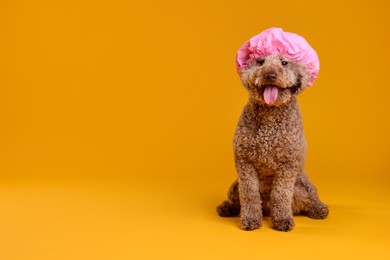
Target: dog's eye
(260, 62)
(284, 63)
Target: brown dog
(270, 149)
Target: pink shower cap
(275, 41)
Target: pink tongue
(270, 95)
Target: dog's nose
(270, 76)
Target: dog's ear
(247, 77)
(297, 85)
(302, 78)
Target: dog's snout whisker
(257, 81)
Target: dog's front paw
(286, 224)
(249, 224)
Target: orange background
(117, 117)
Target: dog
(270, 145)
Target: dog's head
(274, 79)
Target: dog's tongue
(270, 95)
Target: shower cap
(276, 41)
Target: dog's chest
(278, 143)
(271, 138)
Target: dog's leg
(249, 193)
(281, 201)
(313, 207)
(230, 207)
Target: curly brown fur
(270, 150)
